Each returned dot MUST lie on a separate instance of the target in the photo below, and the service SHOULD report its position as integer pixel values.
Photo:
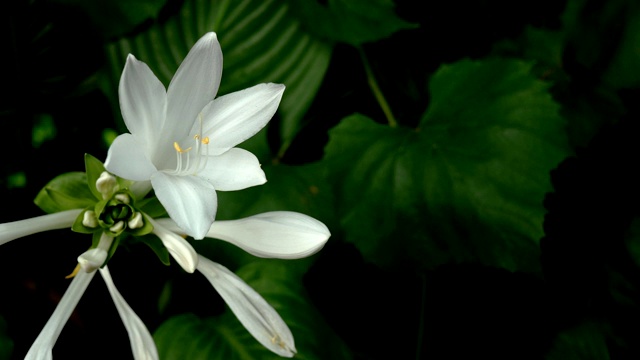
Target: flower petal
(193, 86)
(43, 346)
(142, 344)
(234, 170)
(276, 234)
(257, 316)
(178, 247)
(126, 158)
(190, 201)
(143, 102)
(16, 229)
(233, 118)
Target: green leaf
(352, 21)
(94, 168)
(65, 192)
(6, 344)
(117, 17)
(623, 71)
(468, 185)
(583, 342)
(262, 41)
(292, 188)
(157, 246)
(224, 337)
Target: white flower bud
(106, 184)
(89, 219)
(136, 222)
(123, 198)
(117, 227)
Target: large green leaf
(351, 21)
(262, 41)
(116, 17)
(583, 342)
(224, 337)
(467, 185)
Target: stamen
(74, 272)
(179, 149)
(198, 165)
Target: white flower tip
(210, 36)
(92, 259)
(131, 58)
(283, 347)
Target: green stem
(373, 84)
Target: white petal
(190, 201)
(140, 189)
(126, 158)
(142, 344)
(16, 229)
(143, 102)
(43, 346)
(193, 86)
(233, 118)
(236, 169)
(257, 316)
(178, 247)
(276, 234)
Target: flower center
(184, 164)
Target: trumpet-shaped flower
(183, 140)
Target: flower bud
(106, 184)
(89, 219)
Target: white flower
(182, 140)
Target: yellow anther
(205, 140)
(74, 273)
(179, 149)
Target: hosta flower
(183, 140)
(112, 211)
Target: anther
(74, 272)
(179, 149)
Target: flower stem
(373, 84)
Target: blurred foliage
(492, 211)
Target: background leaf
(474, 173)
(262, 41)
(351, 21)
(224, 337)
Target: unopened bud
(106, 184)
(117, 227)
(123, 198)
(136, 222)
(89, 219)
